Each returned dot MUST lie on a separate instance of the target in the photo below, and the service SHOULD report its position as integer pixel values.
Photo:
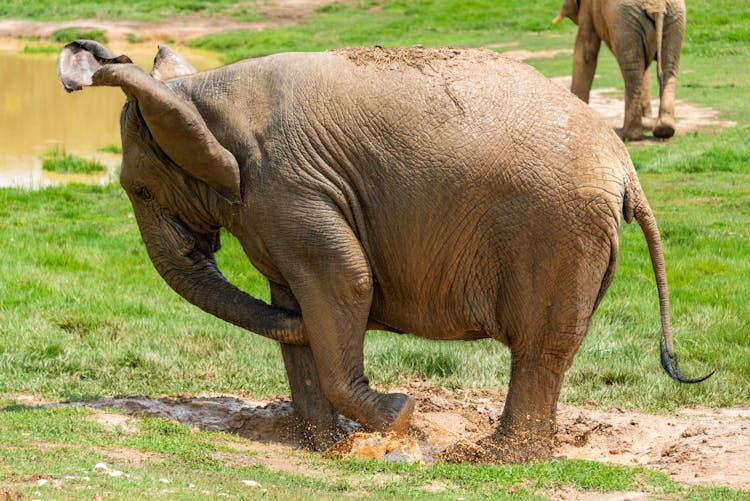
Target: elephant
(637, 32)
(446, 193)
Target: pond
(36, 114)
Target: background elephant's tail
(657, 10)
(659, 37)
(636, 206)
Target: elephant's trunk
(185, 261)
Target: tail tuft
(672, 368)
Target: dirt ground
(697, 445)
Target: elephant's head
(178, 177)
(570, 10)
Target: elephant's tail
(657, 10)
(636, 206)
(659, 36)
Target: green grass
(57, 159)
(65, 35)
(142, 10)
(98, 319)
(392, 23)
(40, 49)
(133, 38)
(111, 148)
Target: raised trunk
(190, 269)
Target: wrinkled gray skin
(638, 32)
(449, 194)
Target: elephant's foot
(501, 448)
(664, 127)
(630, 134)
(392, 412)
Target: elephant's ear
(569, 9)
(175, 124)
(79, 60)
(169, 64)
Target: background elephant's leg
(316, 419)
(665, 124)
(584, 61)
(632, 73)
(648, 121)
(673, 32)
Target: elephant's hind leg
(646, 113)
(545, 329)
(666, 124)
(674, 28)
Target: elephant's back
(466, 118)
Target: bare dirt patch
(698, 445)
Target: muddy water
(37, 114)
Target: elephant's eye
(143, 193)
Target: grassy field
(83, 314)
(141, 10)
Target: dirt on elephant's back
(697, 445)
(411, 57)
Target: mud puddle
(698, 445)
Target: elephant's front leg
(316, 419)
(585, 57)
(333, 285)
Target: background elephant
(452, 194)
(637, 32)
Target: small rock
(251, 483)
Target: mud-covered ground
(696, 445)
